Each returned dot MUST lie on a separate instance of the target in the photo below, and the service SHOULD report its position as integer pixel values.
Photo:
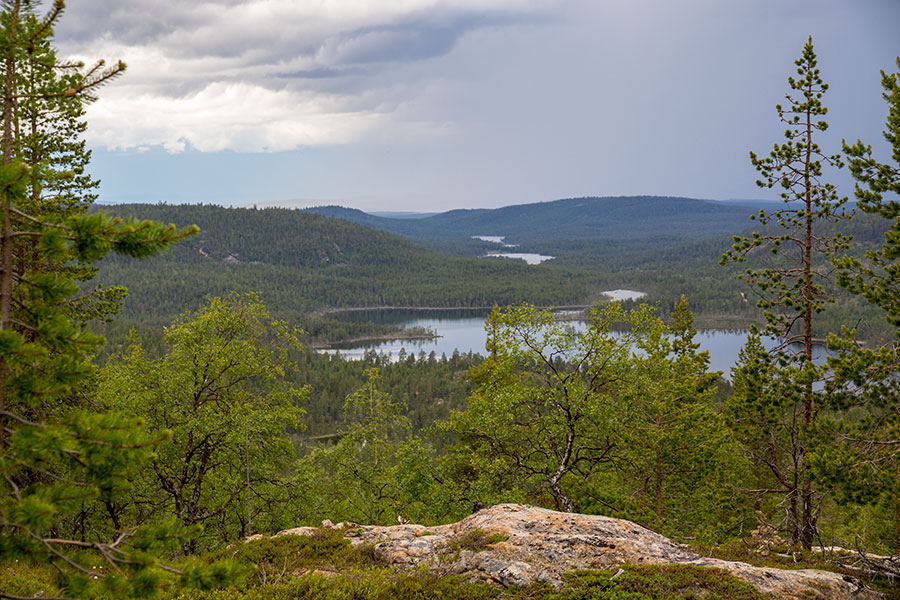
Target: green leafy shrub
(656, 582)
(367, 584)
(476, 541)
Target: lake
(464, 331)
(528, 257)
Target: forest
(305, 265)
(144, 433)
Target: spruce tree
(675, 446)
(862, 459)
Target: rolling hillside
(613, 218)
(301, 262)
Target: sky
(431, 105)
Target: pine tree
(878, 278)
(49, 121)
(48, 126)
(53, 456)
(792, 284)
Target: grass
(26, 578)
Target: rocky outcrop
(514, 544)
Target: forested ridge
(301, 263)
(139, 469)
(335, 263)
(572, 218)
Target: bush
(280, 559)
(656, 582)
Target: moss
(820, 586)
(779, 557)
(785, 557)
(326, 566)
(358, 582)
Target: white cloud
(268, 75)
(227, 116)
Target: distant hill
(403, 214)
(625, 229)
(611, 218)
(301, 262)
(274, 236)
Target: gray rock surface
(514, 544)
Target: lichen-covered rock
(514, 544)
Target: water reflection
(463, 331)
(529, 257)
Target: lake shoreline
(701, 320)
(349, 309)
(399, 336)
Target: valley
(307, 264)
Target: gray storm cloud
(476, 101)
(297, 73)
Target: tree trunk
(6, 237)
(808, 531)
(807, 526)
(563, 502)
(794, 517)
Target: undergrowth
(270, 561)
(642, 582)
(786, 557)
(656, 582)
(325, 566)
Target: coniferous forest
(161, 398)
